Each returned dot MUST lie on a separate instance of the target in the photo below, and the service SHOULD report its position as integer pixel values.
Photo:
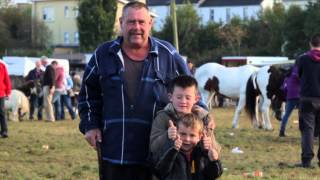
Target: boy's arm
(212, 170)
(164, 164)
(159, 134)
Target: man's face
(136, 26)
(38, 64)
(189, 136)
(183, 99)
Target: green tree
(274, 20)
(295, 38)
(16, 30)
(95, 22)
(312, 20)
(233, 34)
(188, 23)
(208, 43)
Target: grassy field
(40, 150)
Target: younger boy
(184, 157)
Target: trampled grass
(40, 150)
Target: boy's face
(189, 137)
(183, 99)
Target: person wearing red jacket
(5, 90)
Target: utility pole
(174, 24)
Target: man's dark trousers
(309, 111)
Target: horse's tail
(251, 94)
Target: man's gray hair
(134, 4)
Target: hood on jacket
(198, 110)
(314, 54)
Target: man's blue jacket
(104, 104)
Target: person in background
(35, 76)
(44, 62)
(59, 88)
(5, 90)
(123, 87)
(49, 81)
(191, 67)
(309, 109)
(291, 86)
(65, 97)
(76, 89)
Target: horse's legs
(241, 104)
(209, 100)
(14, 114)
(256, 119)
(266, 124)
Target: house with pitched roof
(301, 3)
(218, 10)
(162, 9)
(223, 11)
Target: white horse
(231, 82)
(18, 103)
(265, 83)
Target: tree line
(275, 32)
(16, 36)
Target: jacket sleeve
(90, 98)
(159, 133)
(7, 82)
(164, 163)
(212, 170)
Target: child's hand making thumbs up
(173, 135)
(172, 131)
(207, 145)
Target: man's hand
(177, 143)
(172, 131)
(92, 136)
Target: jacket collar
(116, 46)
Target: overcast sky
(20, 1)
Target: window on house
(76, 38)
(228, 14)
(66, 38)
(48, 14)
(66, 11)
(76, 11)
(245, 13)
(211, 15)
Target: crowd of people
(53, 90)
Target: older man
(35, 75)
(124, 85)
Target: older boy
(183, 157)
